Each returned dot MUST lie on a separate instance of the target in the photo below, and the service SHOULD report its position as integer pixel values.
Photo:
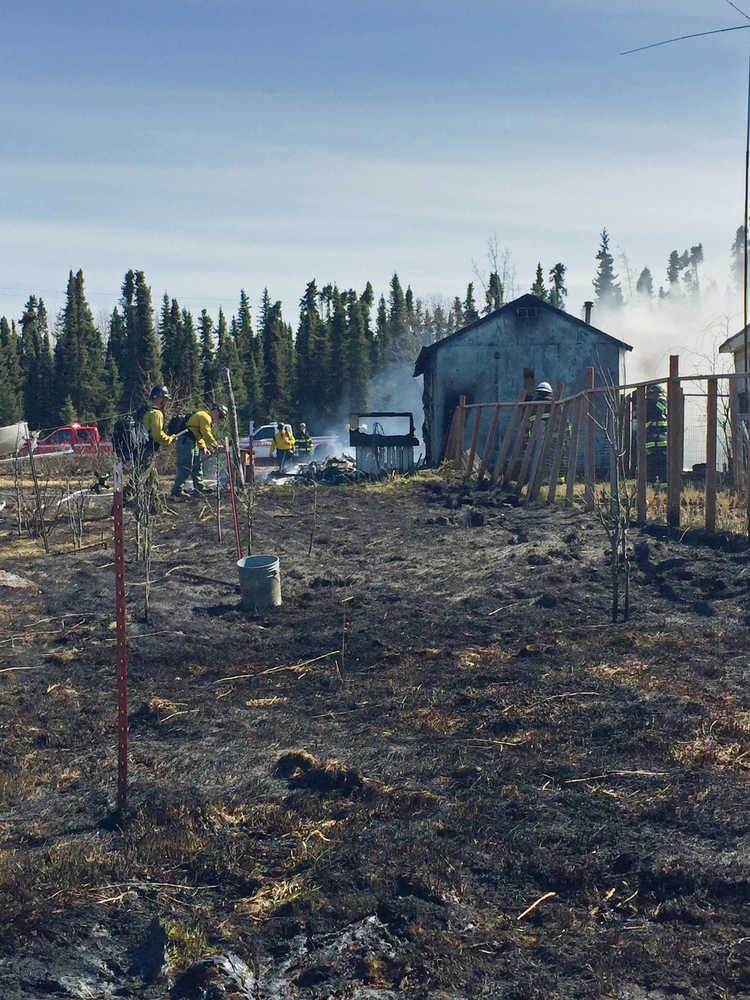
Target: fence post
(122, 651)
(674, 445)
(570, 475)
(562, 428)
(641, 463)
(536, 479)
(488, 446)
(531, 445)
(474, 438)
(711, 408)
(461, 429)
(588, 443)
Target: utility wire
(738, 9)
(680, 38)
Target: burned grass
(439, 772)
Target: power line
(680, 38)
(738, 9)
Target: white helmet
(544, 387)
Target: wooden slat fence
(530, 446)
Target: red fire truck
(79, 439)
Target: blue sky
(224, 145)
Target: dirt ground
(362, 793)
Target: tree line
(318, 372)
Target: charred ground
(372, 823)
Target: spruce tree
(110, 410)
(79, 356)
(674, 267)
(366, 300)
(356, 355)
(645, 284)
(336, 337)
(67, 413)
(470, 307)
(557, 291)
(309, 364)
(494, 294)
(117, 345)
(737, 258)
(227, 356)
(381, 333)
(11, 384)
(190, 364)
(397, 346)
(538, 288)
(141, 369)
(37, 378)
(274, 356)
(249, 350)
(208, 364)
(606, 285)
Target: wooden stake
(589, 458)
(549, 434)
(570, 475)
(711, 408)
(532, 443)
(233, 428)
(474, 438)
(519, 443)
(641, 464)
(488, 446)
(508, 438)
(122, 654)
(674, 455)
(560, 435)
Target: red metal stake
(234, 499)
(122, 651)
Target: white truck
(324, 445)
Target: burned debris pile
(335, 472)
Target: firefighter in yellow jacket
(283, 444)
(144, 479)
(197, 439)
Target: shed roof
(524, 300)
(734, 343)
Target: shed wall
(486, 364)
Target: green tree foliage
(209, 373)
(397, 339)
(67, 413)
(79, 357)
(11, 383)
(737, 257)
(142, 367)
(470, 307)
(557, 291)
(312, 356)
(227, 356)
(606, 285)
(356, 354)
(538, 287)
(457, 314)
(645, 284)
(275, 374)
(493, 296)
(381, 333)
(37, 375)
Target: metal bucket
(260, 582)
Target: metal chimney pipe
(588, 306)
